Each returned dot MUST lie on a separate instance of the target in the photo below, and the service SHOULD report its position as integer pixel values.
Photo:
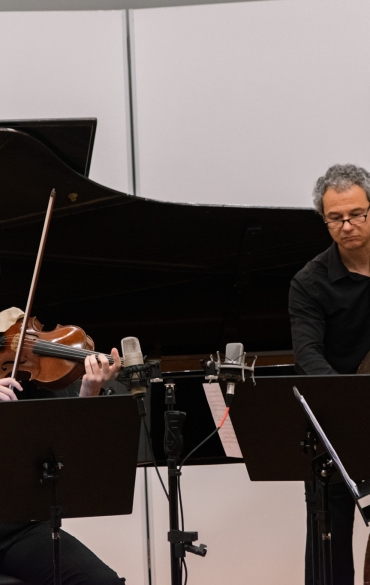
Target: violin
(52, 359)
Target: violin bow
(35, 277)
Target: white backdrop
(69, 65)
(249, 103)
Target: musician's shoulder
(315, 268)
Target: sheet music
(328, 446)
(217, 406)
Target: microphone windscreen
(131, 352)
(234, 353)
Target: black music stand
(71, 457)
(271, 426)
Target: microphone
(133, 359)
(231, 370)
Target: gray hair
(340, 178)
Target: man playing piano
(329, 306)
(26, 550)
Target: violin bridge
(14, 342)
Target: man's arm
(308, 331)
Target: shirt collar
(336, 268)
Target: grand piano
(184, 279)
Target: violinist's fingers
(115, 368)
(7, 394)
(96, 374)
(97, 370)
(11, 382)
(6, 397)
(105, 372)
(88, 367)
(92, 367)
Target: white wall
(69, 65)
(254, 531)
(120, 541)
(249, 103)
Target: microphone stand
(173, 442)
(180, 541)
(232, 370)
(137, 378)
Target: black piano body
(184, 279)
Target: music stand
(73, 457)
(357, 490)
(271, 425)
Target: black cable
(180, 502)
(186, 571)
(183, 563)
(178, 480)
(180, 496)
(153, 458)
(198, 446)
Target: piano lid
(72, 140)
(184, 279)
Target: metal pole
(174, 518)
(131, 100)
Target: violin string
(57, 346)
(62, 350)
(59, 349)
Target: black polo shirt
(330, 316)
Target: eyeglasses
(336, 224)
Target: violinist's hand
(6, 393)
(98, 373)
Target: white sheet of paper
(227, 434)
(328, 446)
